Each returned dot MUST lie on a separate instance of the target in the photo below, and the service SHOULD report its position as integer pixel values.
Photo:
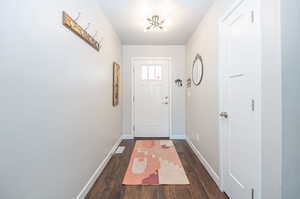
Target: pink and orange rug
(154, 162)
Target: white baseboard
(127, 137)
(205, 163)
(177, 137)
(98, 171)
(173, 137)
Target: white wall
(271, 99)
(57, 121)
(177, 54)
(202, 104)
(291, 98)
(202, 101)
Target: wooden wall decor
(116, 84)
(189, 83)
(72, 25)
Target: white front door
(151, 97)
(240, 44)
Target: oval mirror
(197, 71)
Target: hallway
(216, 80)
(109, 184)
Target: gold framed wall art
(116, 84)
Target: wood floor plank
(109, 184)
(133, 192)
(166, 192)
(150, 192)
(206, 180)
(197, 189)
(182, 192)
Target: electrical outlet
(194, 135)
(188, 93)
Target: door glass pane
(158, 72)
(151, 72)
(144, 73)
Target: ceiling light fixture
(155, 24)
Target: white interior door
(151, 98)
(241, 59)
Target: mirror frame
(198, 57)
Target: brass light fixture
(156, 24)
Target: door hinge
(133, 99)
(253, 105)
(252, 16)
(133, 127)
(252, 193)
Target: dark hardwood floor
(109, 184)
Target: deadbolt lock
(224, 114)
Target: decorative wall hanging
(189, 83)
(116, 84)
(72, 25)
(197, 71)
(178, 82)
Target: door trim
(228, 13)
(169, 59)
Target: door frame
(169, 60)
(229, 12)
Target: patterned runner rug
(154, 162)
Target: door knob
(224, 114)
(165, 100)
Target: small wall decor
(178, 82)
(197, 71)
(116, 84)
(72, 25)
(189, 83)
